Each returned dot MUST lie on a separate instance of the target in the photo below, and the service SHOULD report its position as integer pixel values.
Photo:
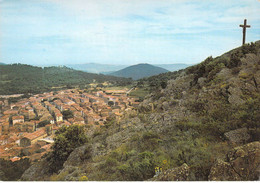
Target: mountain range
(108, 68)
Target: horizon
(116, 32)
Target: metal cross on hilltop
(244, 31)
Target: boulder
(242, 163)
(176, 174)
(237, 136)
(235, 96)
(202, 81)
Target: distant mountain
(108, 69)
(172, 67)
(139, 71)
(20, 78)
(1, 63)
(97, 68)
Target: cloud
(128, 30)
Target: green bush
(139, 168)
(12, 171)
(65, 141)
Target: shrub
(12, 171)
(139, 168)
(65, 141)
(67, 114)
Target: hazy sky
(123, 31)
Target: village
(27, 127)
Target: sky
(125, 32)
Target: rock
(225, 73)
(234, 97)
(222, 171)
(176, 174)
(242, 164)
(78, 156)
(250, 60)
(70, 173)
(201, 81)
(165, 105)
(38, 171)
(237, 136)
(145, 106)
(257, 79)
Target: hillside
(203, 125)
(96, 68)
(20, 78)
(139, 71)
(1, 63)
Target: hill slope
(187, 125)
(19, 78)
(139, 71)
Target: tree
(67, 114)
(66, 140)
(110, 103)
(43, 123)
(163, 84)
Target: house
(58, 116)
(10, 112)
(5, 127)
(28, 127)
(33, 137)
(15, 159)
(18, 119)
(4, 139)
(79, 120)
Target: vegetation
(24, 79)
(12, 171)
(67, 114)
(65, 141)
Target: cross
(244, 31)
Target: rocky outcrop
(237, 136)
(176, 174)
(243, 163)
(38, 171)
(78, 156)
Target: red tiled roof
(15, 159)
(35, 134)
(17, 117)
